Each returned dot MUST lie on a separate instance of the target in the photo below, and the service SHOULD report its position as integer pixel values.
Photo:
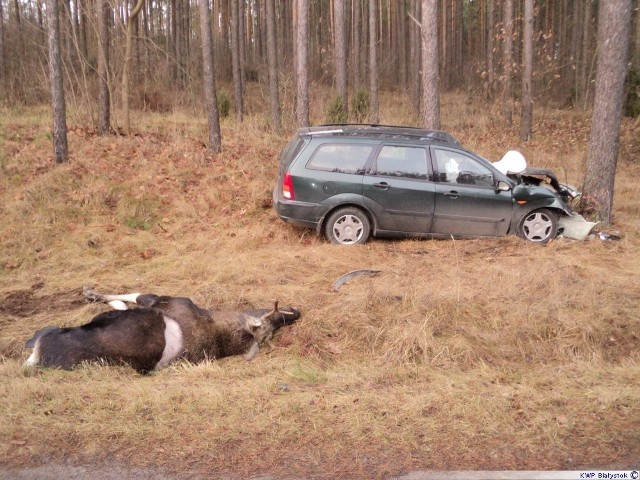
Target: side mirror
(502, 186)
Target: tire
(347, 226)
(538, 226)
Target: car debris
(606, 236)
(575, 227)
(348, 276)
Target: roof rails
(383, 131)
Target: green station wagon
(352, 181)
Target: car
(350, 182)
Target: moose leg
(117, 302)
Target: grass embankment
(479, 354)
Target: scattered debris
(575, 227)
(348, 276)
(609, 235)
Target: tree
(2, 61)
(527, 73)
(586, 57)
(414, 56)
(104, 97)
(614, 22)
(127, 61)
(235, 60)
(507, 61)
(60, 147)
(430, 71)
(341, 54)
(215, 139)
(373, 64)
(302, 81)
(273, 67)
(356, 21)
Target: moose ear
(254, 323)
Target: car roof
(379, 131)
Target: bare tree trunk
(235, 60)
(242, 54)
(357, 74)
(507, 60)
(414, 49)
(82, 26)
(215, 139)
(402, 43)
(172, 39)
(104, 97)
(527, 73)
(430, 70)
(490, 35)
(635, 57)
(273, 67)
(373, 64)
(127, 62)
(302, 82)
(60, 148)
(614, 22)
(586, 56)
(3, 74)
(340, 53)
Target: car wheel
(348, 226)
(539, 226)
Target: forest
(144, 56)
(480, 50)
(139, 146)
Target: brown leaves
(148, 253)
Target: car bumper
(298, 213)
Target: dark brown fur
(137, 336)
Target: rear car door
(466, 199)
(398, 190)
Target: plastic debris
(348, 276)
(575, 227)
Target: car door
(398, 189)
(466, 199)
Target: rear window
(340, 158)
(291, 151)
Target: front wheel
(539, 226)
(348, 226)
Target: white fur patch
(174, 342)
(118, 305)
(34, 358)
(129, 297)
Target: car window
(342, 158)
(455, 167)
(409, 162)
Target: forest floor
(484, 354)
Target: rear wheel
(348, 226)
(539, 226)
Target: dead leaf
(148, 253)
(333, 348)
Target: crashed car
(350, 182)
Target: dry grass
(480, 354)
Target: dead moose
(156, 333)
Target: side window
(342, 158)
(408, 162)
(454, 167)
